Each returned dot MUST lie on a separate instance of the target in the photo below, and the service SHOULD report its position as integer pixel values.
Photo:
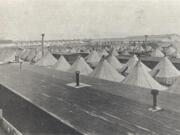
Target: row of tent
(7, 55)
(134, 72)
(33, 55)
(167, 69)
(147, 50)
(170, 51)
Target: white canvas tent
(10, 57)
(175, 88)
(103, 53)
(165, 72)
(62, 64)
(139, 76)
(93, 58)
(80, 65)
(105, 71)
(148, 48)
(114, 52)
(39, 54)
(25, 54)
(130, 65)
(113, 61)
(125, 52)
(131, 48)
(7, 55)
(177, 55)
(31, 55)
(157, 53)
(139, 49)
(170, 51)
(47, 60)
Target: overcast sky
(68, 19)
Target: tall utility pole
(146, 37)
(42, 43)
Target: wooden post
(20, 66)
(154, 93)
(77, 78)
(42, 43)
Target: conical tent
(105, 71)
(157, 53)
(170, 50)
(104, 53)
(125, 52)
(165, 72)
(18, 51)
(24, 54)
(148, 48)
(140, 77)
(175, 88)
(3, 53)
(139, 49)
(86, 51)
(10, 57)
(39, 54)
(144, 67)
(62, 64)
(27, 54)
(114, 52)
(177, 55)
(31, 55)
(131, 48)
(7, 54)
(121, 50)
(113, 61)
(130, 64)
(46, 60)
(80, 65)
(93, 58)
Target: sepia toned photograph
(89, 67)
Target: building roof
(91, 110)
